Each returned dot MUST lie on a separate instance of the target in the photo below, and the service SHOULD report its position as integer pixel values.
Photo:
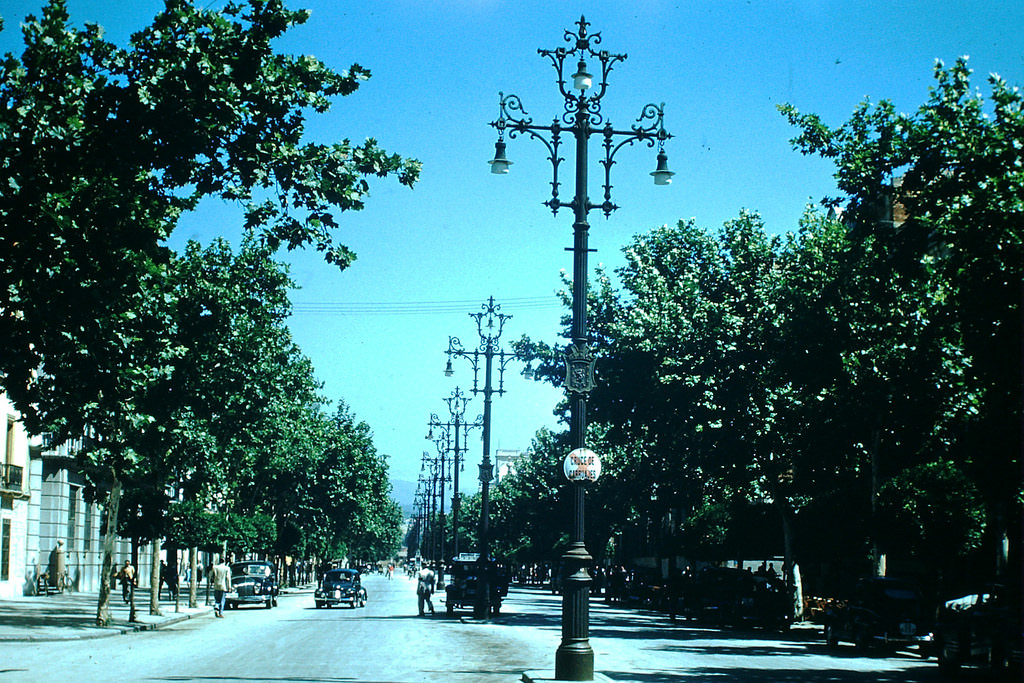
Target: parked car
(883, 611)
(728, 596)
(461, 589)
(252, 583)
(980, 629)
(340, 587)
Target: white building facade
(50, 534)
(14, 501)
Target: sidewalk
(72, 616)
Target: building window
(87, 536)
(74, 493)
(5, 551)
(9, 449)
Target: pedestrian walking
(163, 577)
(425, 581)
(220, 577)
(170, 577)
(127, 577)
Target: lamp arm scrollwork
(455, 347)
(513, 119)
(557, 57)
(652, 134)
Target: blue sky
(463, 234)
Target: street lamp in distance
(490, 322)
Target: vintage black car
(461, 589)
(982, 630)
(883, 611)
(252, 583)
(340, 587)
(729, 596)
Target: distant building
(505, 462)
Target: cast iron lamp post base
(574, 658)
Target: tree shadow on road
(706, 674)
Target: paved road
(384, 642)
(387, 643)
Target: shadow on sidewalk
(64, 616)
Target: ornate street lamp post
(582, 118)
(489, 324)
(456, 429)
(434, 467)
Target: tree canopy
(860, 374)
(104, 147)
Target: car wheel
(269, 604)
(861, 639)
(319, 604)
(948, 666)
(997, 660)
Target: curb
(546, 676)
(95, 632)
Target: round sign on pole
(582, 464)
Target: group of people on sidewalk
(220, 580)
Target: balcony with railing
(12, 480)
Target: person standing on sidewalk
(170, 577)
(425, 581)
(127, 576)
(220, 577)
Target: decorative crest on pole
(579, 369)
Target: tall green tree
(103, 148)
(524, 504)
(936, 194)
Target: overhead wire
(350, 308)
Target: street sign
(582, 464)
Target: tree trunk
(109, 537)
(193, 572)
(877, 556)
(790, 569)
(176, 573)
(154, 578)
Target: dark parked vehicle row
(727, 596)
(982, 630)
(885, 612)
